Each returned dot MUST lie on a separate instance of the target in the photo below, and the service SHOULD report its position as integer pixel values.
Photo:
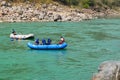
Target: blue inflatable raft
(47, 47)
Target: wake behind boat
(47, 47)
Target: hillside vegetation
(78, 3)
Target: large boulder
(108, 70)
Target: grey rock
(42, 15)
(20, 12)
(44, 6)
(3, 3)
(57, 17)
(9, 5)
(6, 4)
(108, 70)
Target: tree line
(79, 3)
(91, 3)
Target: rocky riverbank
(25, 12)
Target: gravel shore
(25, 12)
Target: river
(89, 44)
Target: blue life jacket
(37, 41)
(48, 41)
(43, 41)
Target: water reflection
(59, 56)
(48, 51)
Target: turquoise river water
(89, 44)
